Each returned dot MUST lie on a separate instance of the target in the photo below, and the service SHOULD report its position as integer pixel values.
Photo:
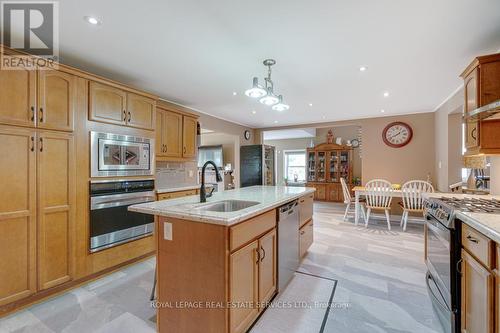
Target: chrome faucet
(203, 193)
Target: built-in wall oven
(111, 223)
(120, 155)
(442, 259)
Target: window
(295, 165)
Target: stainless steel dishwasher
(288, 242)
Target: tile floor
(352, 280)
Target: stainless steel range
(443, 246)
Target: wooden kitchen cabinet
(107, 104)
(267, 266)
(18, 97)
(306, 238)
(305, 208)
(481, 87)
(56, 195)
(168, 133)
(177, 194)
(141, 112)
(477, 296)
(17, 213)
(56, 100)
(320, 193)
(189, 133)
(159, 133)
(244, 287)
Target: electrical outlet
(167, 231)
(190, 173)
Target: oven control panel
(440, 211)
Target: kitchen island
(217, 262)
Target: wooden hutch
(326, 164)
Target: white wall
(230, 148)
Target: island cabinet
(481, 87)
(478, 282)
(177, 194)
(305, 223)
(215, 278)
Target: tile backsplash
(176, 174)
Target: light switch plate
(167, 231)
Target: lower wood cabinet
(36, 213)
(477, 296)
(305, 238)
(320, 193)
(327, 191)
(252, 280)
(178, 194)
(305, 208)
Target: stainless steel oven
(442, 261)
(120, 155)
(111, 223)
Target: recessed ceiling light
(363, 68)
(386, 94)
(275, 121)
(324, 117)
(235, 93)
(254, 112)
(92, 20)
(382, 110)
(310, 104)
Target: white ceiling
(295, 133)
(197, 53)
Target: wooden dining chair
(378, 193)
(413, 201)
(349, 200)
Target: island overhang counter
(217, 270)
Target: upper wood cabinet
(48, 103)
(477, 296)
(112, 105)
(56, 100)
(55, 208)
(17, 213)
(244, 287)
(107, 104)
(18, 97)
(140, 112)
(189, 133)
(481, 87)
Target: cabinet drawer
(306, 208)
(173, 195)
(244, 232)
(478, 245)
(305, 238)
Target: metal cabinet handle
(129, 116)
(184, 149)
(258, 255)
(41, 144)
(459, 266)
(32, 113)
(302, 232)
(472, 239)
(124, 115)
(32, 143)
(41, 114)
(473, 133)
(264, 253)
(166, 148)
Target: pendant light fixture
(266, 94)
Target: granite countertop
(487, 224)
(187, 208)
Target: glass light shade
(256, 91)
(280, 106)
(269, 100)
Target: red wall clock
(397, 134)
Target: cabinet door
(17, 97)
(477, 296)
(267, 266)
(189, 136)
(56, 100)
(107, 104)
(320, 193)
(172, 135)
(471, 103)
(306, 238)
(141, 112)
(17, 214)
(159, 142)
(305, 208)
(333, 192)
(243, 287)
(55, 208)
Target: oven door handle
(436, 299)
(122, 202)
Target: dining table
(360, 191)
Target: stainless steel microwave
(120, 155)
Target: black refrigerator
(257, 165)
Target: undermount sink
(227, 206)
